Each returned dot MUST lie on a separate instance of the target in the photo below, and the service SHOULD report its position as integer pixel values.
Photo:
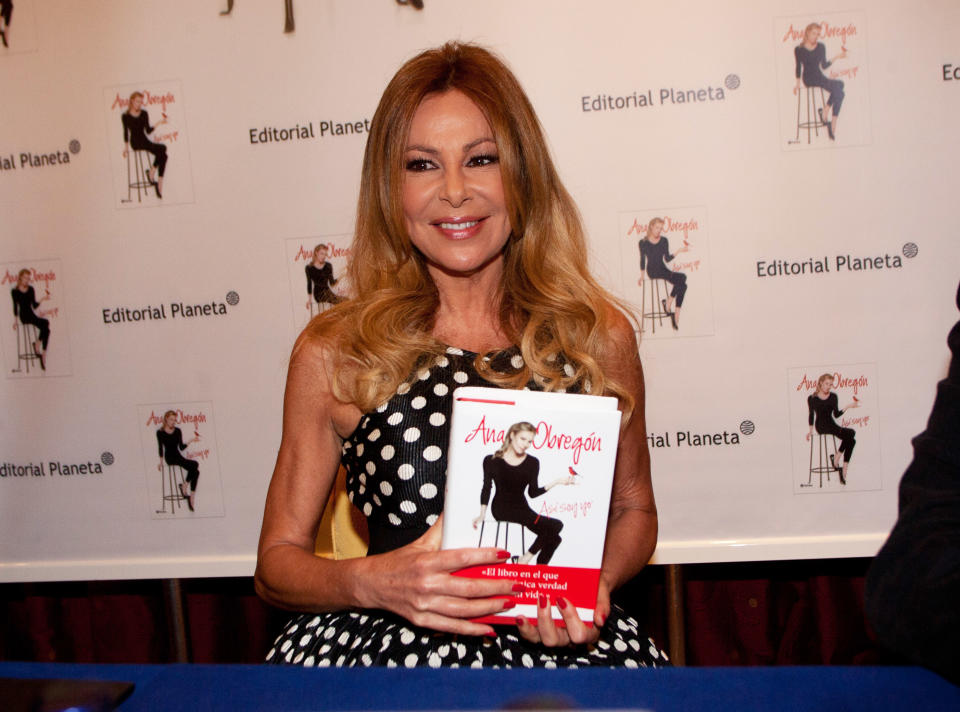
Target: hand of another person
(809, 435)
(124, 153)
(416, 581)
(548, 633)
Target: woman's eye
(419, 164)
(484, 159)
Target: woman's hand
(548, 633)
(480, 517)
(809, 435)
(417, 582)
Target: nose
(454, 189)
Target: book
(532, 473)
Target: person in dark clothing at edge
(811, 56)
(512, 472)
(170, 443)
(24, 302)
(320, 279)
(913, 586)
(654, 255)
(824, 406)
(136, 126)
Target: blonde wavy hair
(550, 304)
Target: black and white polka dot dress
(396, 464)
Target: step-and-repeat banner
(769, 184)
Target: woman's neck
(512, 458)
(469, 312)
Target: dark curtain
(774, 613)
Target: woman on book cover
(136, 127)
(320, 279)
(654, 256)
(811, 59)
(468, 268)
(24, 302)
(824, 406)
(512, 473)
(170, 443)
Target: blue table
(259, 687)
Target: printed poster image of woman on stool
(511, 473)
(170, 444)
(824, 406)
(136, 131)
(24, 302)
(811, 60)
(654, 258)
(320, 281)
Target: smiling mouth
(458, 225)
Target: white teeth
(458, 226)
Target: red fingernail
(491, 633)
(519, 588)
(520, 621)
(603, 619)
(509, 603)
(503, 554)
(562, 603)
(542, 600)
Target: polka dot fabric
(396, 464)
(365, 639)
(395, 459)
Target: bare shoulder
(310, 386)
(620, 347)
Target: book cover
(532, 473)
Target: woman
(320, 279)
(654, 255)
(467, 269)
(824, 407)
(170, 443)
(24, 302)
(811, 58)
(514, 472)
(136, 126)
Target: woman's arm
(632, 524)
(414, 581)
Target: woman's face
(520, 441)
(23, 280)
(169, 422)
(320, 255)
(453, 201)
(825, 385)
(812, 35)
(654, 230)
(135, 104)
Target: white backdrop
(191, 302)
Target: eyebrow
(467, 147)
